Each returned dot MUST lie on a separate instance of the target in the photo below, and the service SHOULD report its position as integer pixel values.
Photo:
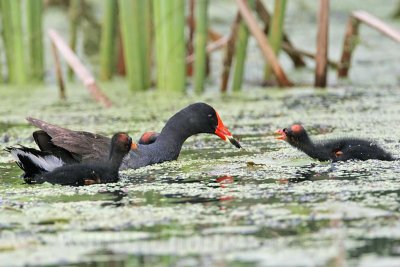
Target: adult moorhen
(70, 146)
(335, 150)
(43, 167)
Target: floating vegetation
(267, 204)
(233, 206)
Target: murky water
(265, 205)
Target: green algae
(267, 204)
(264, 202)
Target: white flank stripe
(47, 163)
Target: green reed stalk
(177, 45)
(396, 13)
(200, 45)
(275, 34)
(34, 10)
(240, 52)
(1, 68)
(145, 26)
(74, 19)
(169, 22)
(108, 39)
(7, 35)
(17, 42)
(159, 32)
(131, 21)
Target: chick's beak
(282, 135)
(134, 146)
(225, 134)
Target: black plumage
(38, 169)
(80, 146)
(341, 149)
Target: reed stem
(276, 33)
(321, 57)
(134, 38)
(240, 52)
(169, 21)
(3, 45)
(146, 40)
(7, 37)
(17, 42)
(228, 56)
(74, 19)
(200, 45)
(35, 39)
(108, 39)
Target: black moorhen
(43, 167)
(335, 150)
(70, 146)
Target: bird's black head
(294, 135)
(148, 138)
(202, 118)
(122, 143)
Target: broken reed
(275, 34)
(108, 38)
(136, 41)
(200, 45)
(169, 23)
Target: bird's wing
(88, 146)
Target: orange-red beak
(224, 133)
(282, 135)
(133, 146)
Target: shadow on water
(6, 126)
(10, 175)
(379, 246)
(309, 173)
(117, 198)
(122, 260)
(219, 182)
(181, 199)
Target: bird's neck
(115, 160)
(312, 149)
(177, 129)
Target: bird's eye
(284, 130)
(209, 115)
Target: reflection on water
(118, 196)
(216, 205)
(379, 246)
(224, 182)
(332, 172)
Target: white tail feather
(47, 163)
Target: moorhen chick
(148, 138)
(335, 150)
(69, 146)
(43, 167)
